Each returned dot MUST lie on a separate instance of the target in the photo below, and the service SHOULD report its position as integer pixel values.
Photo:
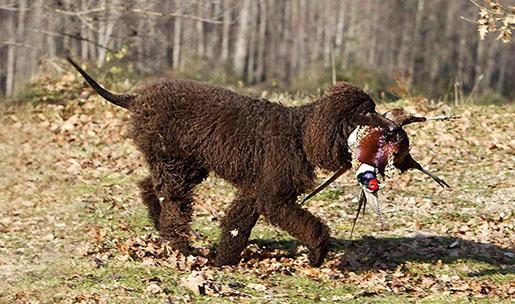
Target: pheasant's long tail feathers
(362, 203)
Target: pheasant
(376, 151)
(385, 151)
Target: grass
(73, 229)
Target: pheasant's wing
(410, 163)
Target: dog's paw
(226, 261)
(317, 255)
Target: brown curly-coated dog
(269, 152)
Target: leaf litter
(67, 190)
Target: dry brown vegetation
(73, 229)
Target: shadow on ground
(371, 253)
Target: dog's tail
(121, 100)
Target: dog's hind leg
(239, 219)
(173, 185)
(150, 199)
(299, 223)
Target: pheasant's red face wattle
(373, 185)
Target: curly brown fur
(269, 152)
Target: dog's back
(219, 129)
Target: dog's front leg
(299, 223)
(236, 226)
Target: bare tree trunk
(106, 28)
(285, 43)
(187, 41)
(374, 32)
(252, 42)
(302, 52)
(350, 45)
(294, 42)
(503, 66)
(65, 26)
(338, 40)
(404, 47)
(319, 31)
(11, 55)
(492, 55)
(478, 69)
(177, 38)
(240, 51)
(84, 33)
(213, 36)
(226, 30)
(140, 45)
(36, 21)
(200, 31)
(329, 26)
(416, 39)
(262, 41)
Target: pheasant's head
(367, 178)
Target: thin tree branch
(10, 7)
(86, 12)
(159, 14)
(73, 36)
(469, 20)
(80, 15)
(502, 10)
(20, 44)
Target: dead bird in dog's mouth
(378, 152)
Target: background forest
(432, 46)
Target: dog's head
(335, 116)
(355, 107)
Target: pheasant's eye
(368, 175)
